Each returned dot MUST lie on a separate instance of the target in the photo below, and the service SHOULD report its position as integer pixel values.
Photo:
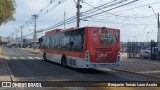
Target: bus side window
(55, 42)
(82, 40)
(47, 42)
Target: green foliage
(1, 41)
(7, 10)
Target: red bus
(86, 47)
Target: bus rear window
(108, 36)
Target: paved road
(27, 66)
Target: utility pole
(21, 36)
(35, 17)
(134, 37)
(158, 35)
(16, 37)
(64, 19)
(78, 12)
(12, 39)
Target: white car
(146, 53)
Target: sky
(133, 23)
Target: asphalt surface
(26, 66)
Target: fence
(133, 48)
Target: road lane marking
(30, 57)
(21, 57)
(14, 58)
(150, 71)
(7, 57)
(38, 58)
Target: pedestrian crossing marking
(14, 58)
(38, 58)
(9, 58)
(21, 57)
(30, 58)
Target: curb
(137, 73)
(10, 73)
(34, 52)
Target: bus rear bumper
(102, 65)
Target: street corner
(139, 66)
(4, 72)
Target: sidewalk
(4, 73)
(36, 51)
(140, 66)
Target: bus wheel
(63, 61)
(44, 56)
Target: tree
(1, 40)
(7, 10)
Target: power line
(110, 4)
(85, 13)
(111, 8)
(104, 6)
(30, 21)
(114, 22)
(138, 7)
(72, 19)
(43, 9)
(119, 15)
(53, 7)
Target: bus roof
(53, 32)
(73, 28)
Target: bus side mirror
(40, 40)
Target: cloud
(26, 8)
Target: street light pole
(158, 22)
(12, 39)
(134, 38)
(147, 36)
(16, 37)
(21, 36)
(64, 18)
(153, 11)
(158, 36)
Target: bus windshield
(108, 37)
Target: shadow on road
(45, 70)
(81, 70)
(31, 68)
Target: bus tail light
(87, 58)
(118, 57)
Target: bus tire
(63, 61)
(44, 56)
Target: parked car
(10, 46)
(23, 46)
(146, 53)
